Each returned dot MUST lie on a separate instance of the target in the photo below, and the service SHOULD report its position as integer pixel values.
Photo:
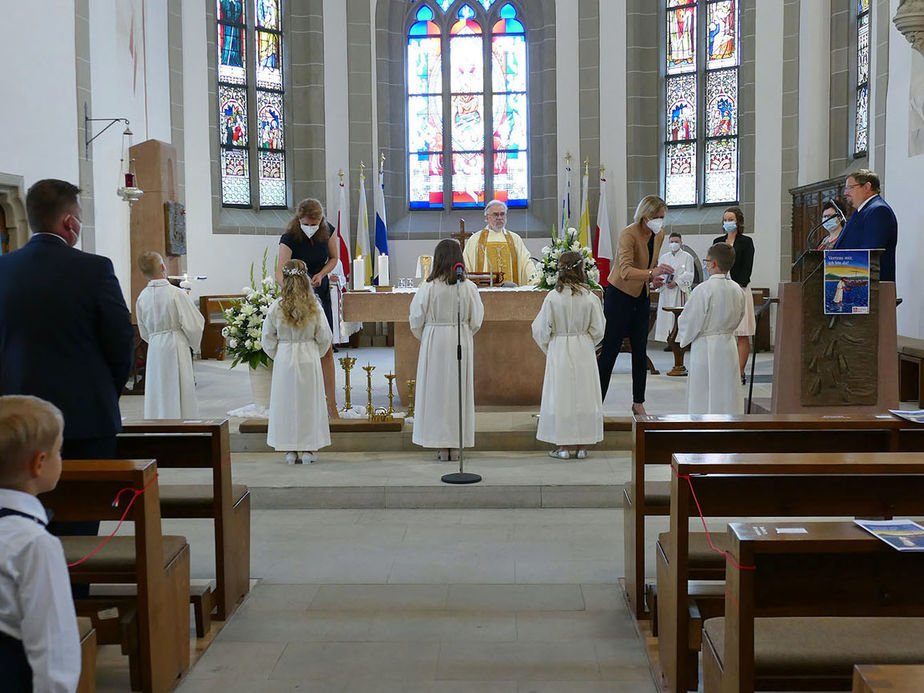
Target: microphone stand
(460, 477)
(808, 245)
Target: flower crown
(294, 272)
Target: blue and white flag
(381, 226)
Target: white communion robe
(298, 411)
(526, 269)
(568, 327)
(436, 401)
(683, 264)
(708, 322)
(171, 324)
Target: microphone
(460, 270)
(808, 244)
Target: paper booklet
(912, 415)
(903, 535)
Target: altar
(509, 366)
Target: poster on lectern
(846, 282)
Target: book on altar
(904, 535)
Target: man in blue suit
(873, 224)
(65, 333)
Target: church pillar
(909, 20)
(814, 89)
(568, 99)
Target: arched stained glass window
(701, 102)
(467, 60)
(861, 125)
(246, 83)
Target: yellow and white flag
(584, 225)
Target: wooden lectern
(834, 364)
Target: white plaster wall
(39, 118)
(336, 112)
(567, 66)
(814, 89)
(613, 111)
(902, 185)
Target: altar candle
(359, 273)
(383, 270)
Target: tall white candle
(383, 270)
(359, 273)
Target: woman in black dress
(310, 238)
(733, 225)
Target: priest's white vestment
(670, 297)
(171, 324)
(569, 325)
(487, 249)
(436, 401)
(708, 322)
(298, 411)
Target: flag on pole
(381, 226)
(584, 224)
(362, 229)
(343, 230)
(603, 244)
(566, 200)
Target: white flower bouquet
(245, 320)
(551, 253)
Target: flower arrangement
(551, 254)
(245, 320)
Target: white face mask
(830, 224)
(310, 230)
(729, 226)
(674, 247)
(655, 224)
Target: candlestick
(368, 368)
(391, 393)
(411, 384)
(347, 364)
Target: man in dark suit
(65, 333)
(873, 225)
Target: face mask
(655, 224)
(310, 230)
(830, 223)
(729, 226)
(674, 247)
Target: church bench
(818, 602)
(213, 344)
(202, 444)
(910, 372)
(755, 485)
(87, 635)
(154, 624)
(888, 678)
(656, 438)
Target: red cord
(115, 504)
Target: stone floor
(377, 595)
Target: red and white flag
(603, 243)
(343, 231)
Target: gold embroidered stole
(511, 248)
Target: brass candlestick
(369, 410)
(411, 384)
(391, 393)
(347, 364)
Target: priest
(495, 249)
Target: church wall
(38, 90)
(902, 178)
(589, 99)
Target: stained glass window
(251, 135)
(485, 133)
(861, 126)
(701, 102)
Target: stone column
(814, 89)
(909, 20)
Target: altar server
(433, 322)
(676, 286)
(295, 335)
(708, 322)
(569, 325)
(171, 324)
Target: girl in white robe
(433, 322)
(569, 325)
(708, 322)
(171, 324)
(295, 335)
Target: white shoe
(308, 457)
(560, 454)
(291, 458)
(581, 454)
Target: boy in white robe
(674, 291)
(708, 322)
(171, 324)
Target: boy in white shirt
(708, 322)
(39, 643)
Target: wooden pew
(213, 344)
(656, 438)
(157, 625)
(203, 444)
(888, 678)
(87, 634)
(772, 638)
(771, 484)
